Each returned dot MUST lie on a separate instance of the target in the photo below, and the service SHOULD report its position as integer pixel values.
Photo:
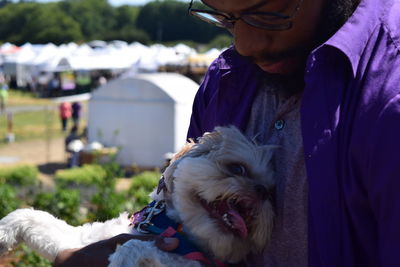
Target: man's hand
(97, 254)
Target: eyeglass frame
(232, 19)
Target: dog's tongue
(238, 222)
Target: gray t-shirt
(275, 119)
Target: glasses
(265, 20)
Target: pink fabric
(168, 232)
(65, 110)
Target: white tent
(146, 115)
(18, 65)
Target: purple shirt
(350, 119)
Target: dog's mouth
(232, 214)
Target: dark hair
(335, 14)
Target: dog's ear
(208, 142)
(165, 186)
(185, 149)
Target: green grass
(23, 98)
(32, 125)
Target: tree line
(85, 20)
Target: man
(321, 78)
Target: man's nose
(250, 41)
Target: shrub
(85, 175)
(27, 257)
(64, 204)
(20, 175)
(108, 203)
(147, 180)
(140, 188)
(8, 200)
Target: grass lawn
(32, 125)
(22, 98)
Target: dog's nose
(261, 191)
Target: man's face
(281, 52)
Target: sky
(116, 2)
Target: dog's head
(221, 189)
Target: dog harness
(153, 219)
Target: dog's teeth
(226, 220)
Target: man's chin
(284, 66)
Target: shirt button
(279, 124)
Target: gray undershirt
(275, 119)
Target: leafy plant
(20, 175)
(85, 175)
(107, 201)
(140, 188)
(64, 204)
(8, 200)
(146, 180)
(27, 258)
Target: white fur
(145, 254)
(200, 171)
(48, 235)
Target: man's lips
(281, 66)
(274, 66)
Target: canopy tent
(146, 115)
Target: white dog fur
(223, 175)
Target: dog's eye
(236, 169)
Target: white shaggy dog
(219, 189)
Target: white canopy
(146, 115)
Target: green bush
(147, 180)
(8, 200)
(107, 201)
(108, 204)
(27, 258)
(19, 175)
(64, 204)
(140, 188)
(85, 175)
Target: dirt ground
(47, 155)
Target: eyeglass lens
(216, 19)
(271, 21)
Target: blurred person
(3, 96)
(102, 81)
(76, 113)
(65, 111)
(53, 86)
(73, 145)
(42, 83)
